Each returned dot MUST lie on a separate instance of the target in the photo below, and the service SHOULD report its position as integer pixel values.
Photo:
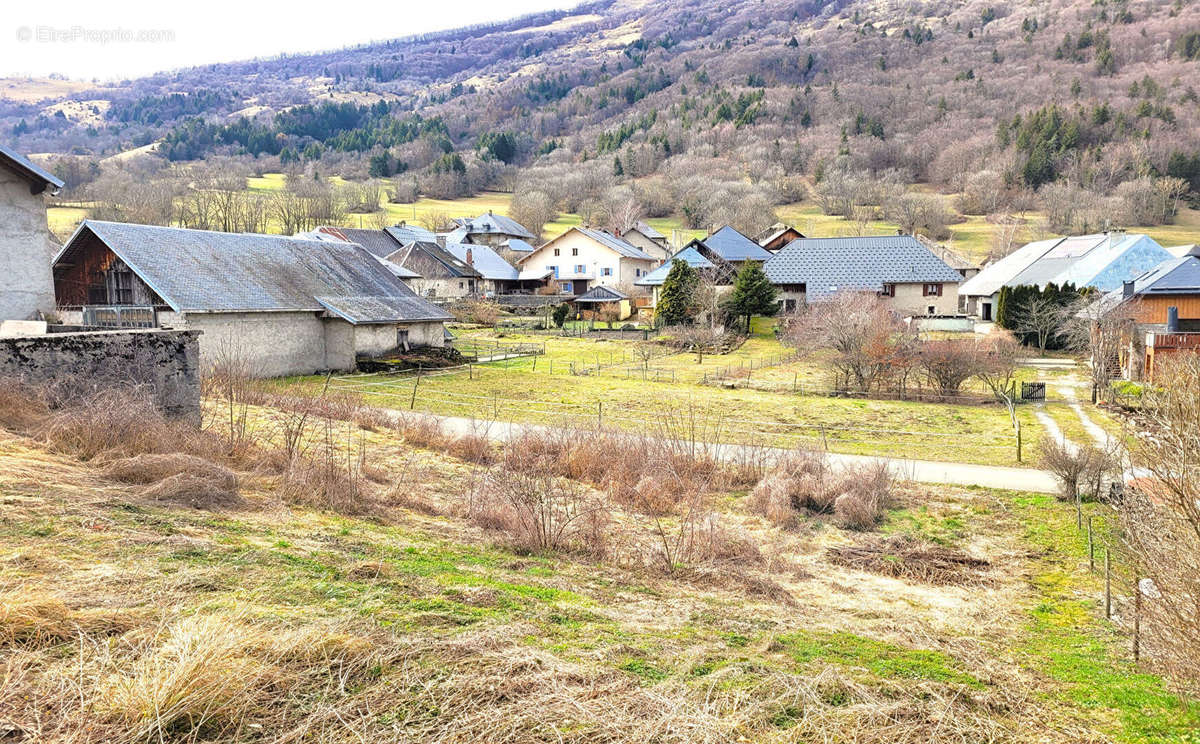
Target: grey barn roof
(828, 265)
(730, 245)
(203, 271)
(39, 178)
(494, 224)
(378, 243)
(601, 294)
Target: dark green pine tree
(676, 298)
(753, 294)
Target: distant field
(972, 237)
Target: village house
(442, 274)
(777, 236)
(496, 275)
(277, 305)
(26, 246)
(1102, 261)
(729, 248)
(650, 241)
(896, 267)
(1160, 312)
(488, 229)
(584, 257)
(690, 256)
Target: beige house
(648, 240)
(897, 267)
(582, 258)
(26, 246)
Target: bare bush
(803, 483)
(1160, 520)
(539, 513)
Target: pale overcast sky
(87, 39)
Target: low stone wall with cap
(165, 363)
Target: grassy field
(128, 618)
(563, 387)
(972, 237)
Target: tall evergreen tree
(753, 294)
(677, 297)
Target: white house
(582, 258)
(26, 247)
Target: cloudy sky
(112, 40)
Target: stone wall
(26, 248)
(167, 363)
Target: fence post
(1137, 620)
(1091, 547)
(535, 363)
(413, 403)
(1107, 585)
(470, 371)
(1018, 441)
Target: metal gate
(1033, 391)
(120, 316)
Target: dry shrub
(420, 430)
(475, 448)
(1080, 470)
(540, 513)
(324, 481)
(904, 557)
(866, 495)
(803, 483)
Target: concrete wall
(443, 287)
(909, 300)
(269, 344)
(26, 249)
(165, 362)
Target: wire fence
(649, 418)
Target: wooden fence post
(413, 403)
(1107, 585)
(1137, 621)
(1091, 547)
(1018, 441)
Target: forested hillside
(714, 110)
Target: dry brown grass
(36, 619)
(22, 406)
(178, 478)
(904, 557)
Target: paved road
(923, 471)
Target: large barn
(279, 305)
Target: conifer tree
(676, 298)
(753, 294)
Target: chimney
(899, 231)
(401, 223)
(1127, 290)
(470, 258)
(1172, 319)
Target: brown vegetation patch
(904, 557)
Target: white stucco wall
(648, 246)
(442, 287)
(26, 249)
(594, 256)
